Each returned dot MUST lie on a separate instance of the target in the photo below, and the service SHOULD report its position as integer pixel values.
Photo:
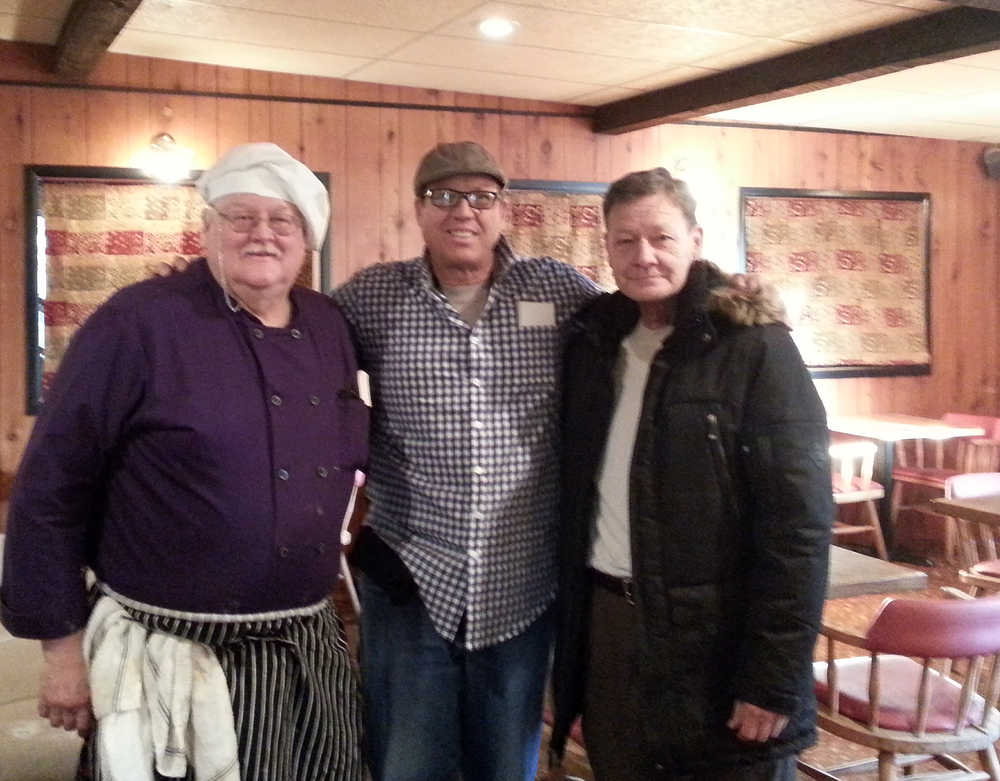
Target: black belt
(622, 587)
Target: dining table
(886, 429)
(981, 509)
(853, 574)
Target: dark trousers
(611, 726)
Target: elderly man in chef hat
(197, 453)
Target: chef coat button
(259, 333)
(276, 400)
(282, 474)
(321, 548)
(314, 400)
(321, 471)
(283, 552)
(296, 333)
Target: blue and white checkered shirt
(463, 473)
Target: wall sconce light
(165, 160)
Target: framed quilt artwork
(853, 269)
(561, 220)
(91, 231)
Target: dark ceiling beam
(990, 5)
(955, 32)
(90, 28)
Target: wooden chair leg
(991, 765)
(950, 540)
(876, 530)
(887, 770)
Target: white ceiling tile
(606, 95)
(217, 23)
(881, 16)
(400, 14)
(669, 77)
(756, 51)
(447, 78)
(580, 32)
(234, 55)
(942, 78)
(495, 57)
(989, 60)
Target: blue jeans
(435, 711)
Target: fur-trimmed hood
(711, 297)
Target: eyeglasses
(280, 224)
(448, 199)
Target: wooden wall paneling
(545, 149)
(513, 152)
(206, 78)
(58, 126)
(286, 126)
(418, 135)
(139, 72)
(138, 130)
(587, 154)
(445, 121)
(204, 133)
(172, 75)
(111, 70)
(324, 136)
(364, 187)
(363, 91)
(107, 129)
(233, 123)
(260, 120)
(175, 114)
(391, 199)
(258, 82)
(15, 150)
(288, 85)
(232, 81)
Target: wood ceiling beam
(89, 29)
(955, 32)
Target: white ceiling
(574, 51)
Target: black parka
(730, 510)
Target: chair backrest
(852, 463)
(936, 628)
(955, 453)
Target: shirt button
(475, 555)
(282, 474)
(321, 471)
(296, 333)
(476, 382)
(276, 400)
(314, 400)
(475, 340)
(477, 516)
(706, 337)
(478, 425)
(258, 333)
(283, 552)
(478, 470)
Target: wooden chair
(914, 697)
(977, 543)
(852, 462)
(929, 463)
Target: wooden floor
(852, 613)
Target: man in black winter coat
(696, 513)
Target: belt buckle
(628, 590)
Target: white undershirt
(611, 552)
(468, 300)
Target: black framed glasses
(280, 224)
(446, 198)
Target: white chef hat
(267, 169)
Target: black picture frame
(35, 177)
(852, 368)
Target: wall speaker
(991, 159)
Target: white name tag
(536, 313)
(364, 389)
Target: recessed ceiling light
(497, 28)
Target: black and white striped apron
(294, 694)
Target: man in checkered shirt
(463, 347)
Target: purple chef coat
(194, 458)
